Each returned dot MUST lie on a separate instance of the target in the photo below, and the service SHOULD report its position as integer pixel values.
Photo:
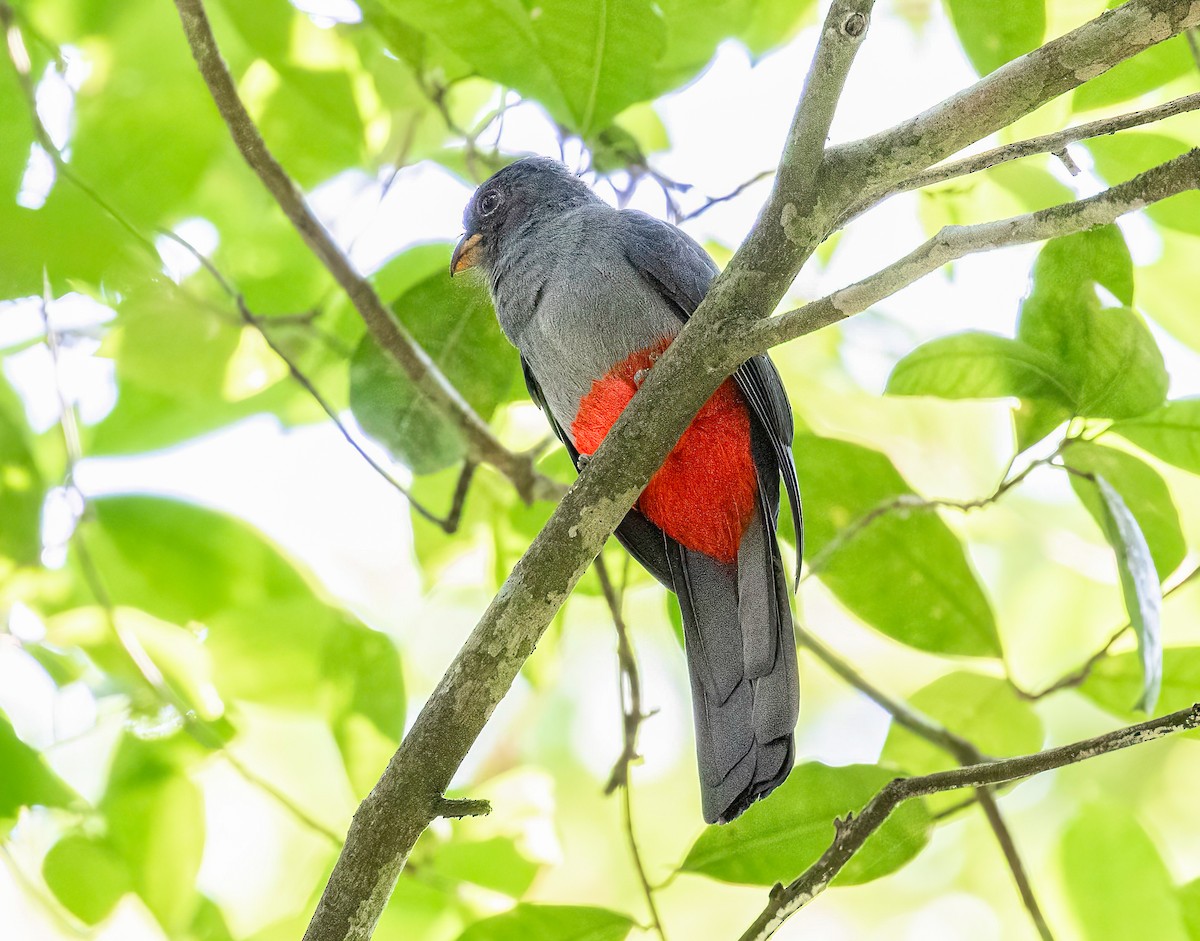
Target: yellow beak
(466, 253)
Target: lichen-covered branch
(853, 832)
(874, 164)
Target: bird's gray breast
(576, 307)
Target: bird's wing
(641, 539)
(681, 271)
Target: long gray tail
(741, 655)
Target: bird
(591, 296)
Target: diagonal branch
(853, 832)
(962, 750)
(399, 808)
(954, 242)
(482, 445)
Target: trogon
(591, 296)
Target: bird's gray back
(569, 299)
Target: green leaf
(1189, 899)
(87, 876)
(1139, 586)
(495, 864)
(1141, 489)
(1116, 682)
(27, 779)
(584, 61)
(777, 839)
(454, 323)
(155, 819)
(774, 22)
(1126, 155)
(906, 573)
(528, 922)
(976, 365)
(1034, 419)
(1107, 358)
(271, 639)
(1171, 433)
(992, 33)
(982, 709)
(22, 488)
(304, 99)
(1143, 73)
(1117, 883)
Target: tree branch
(482, 445)
(874, 164)
(400, 806)
(631, 720)
(954, 242)
(1048, 143)
(853, 832)
(962, 750)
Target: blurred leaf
(183, 369)
(156, 822)
(529, 922)
(304, 99)
(177, 652)
(1144, 72)
(271, 639)
(1139, 586)
(26, 780)
(1032, 185)
(992, 34)
(976, 365)
(777, 839)
(1034, 419)
(455, 325)
(495, 864)
(585, 62)
(1142, 490)
(982, 709)
(906, 573)
(87, 876)
(774, 22)
(208, 923)
(1115, 682)
(1116, 882)
(1107, 358)
(1126, 155)
(1189, 899)
(1170, 433)
(22, 488)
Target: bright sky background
(315, 497)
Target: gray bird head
(510, 201)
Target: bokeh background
(175, 505)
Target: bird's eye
(489, 202)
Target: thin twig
(961, 749)
(1078, 676)
(732, 194)
(854, 831)
(449, 522)
(1048, 143)
(631, 720)
(911, 502)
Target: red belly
(705, 493)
